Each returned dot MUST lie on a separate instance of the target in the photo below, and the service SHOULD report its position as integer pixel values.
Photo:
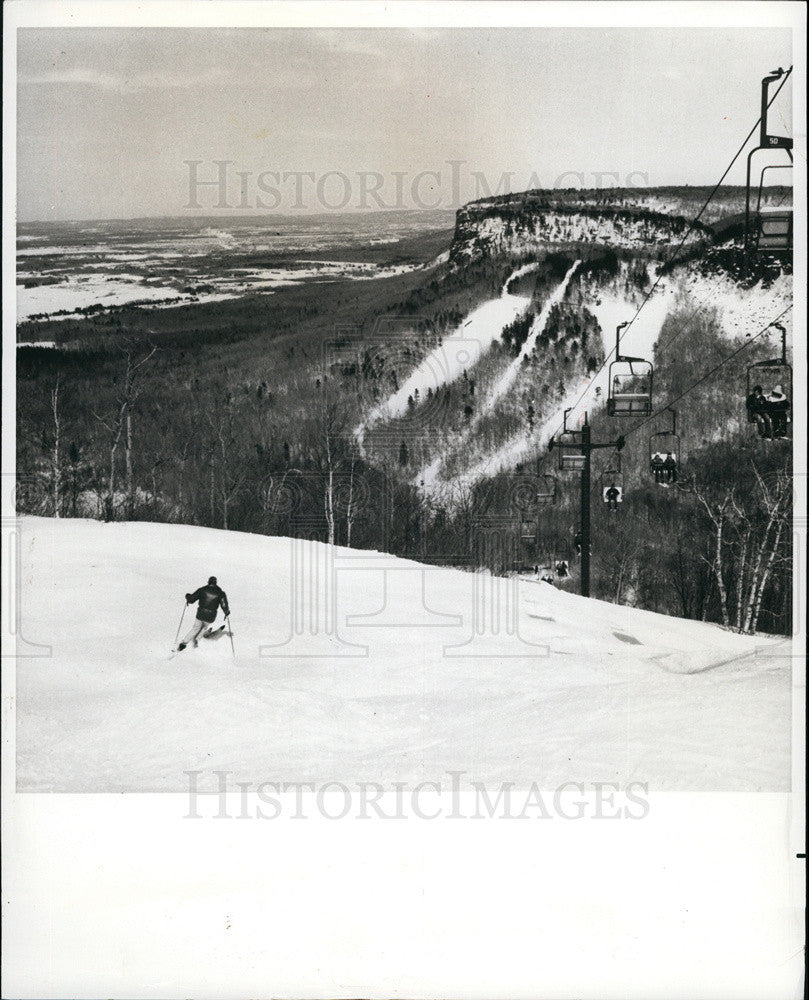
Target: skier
(758, 408)
(657, 466)
(612, 497)
(778, 410)
(669, 469)
(211, 597)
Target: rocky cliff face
(488, 229)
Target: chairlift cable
(673, 258)
(705, 204)
(713, 371)
(703, 378)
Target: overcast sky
(108, 117)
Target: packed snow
(379, 669)
(741, 313)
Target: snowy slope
(459, 350)
(586, 691)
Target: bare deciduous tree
(57, 471)
(121, 424)
(747, 536)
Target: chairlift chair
(571, 454)
(769, 376)
(544, 559)
(569, 444)
(571, 459)
(773, 230)
(630, 383)
(546, 490)
(553, 551)
(664, 453)
(768, 229)
(528, 531)
(612, 486)
(561, 567)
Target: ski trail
(507, 378)
(458, 351)
(517, 449)
(507, 455)
(586, 393)
(638, 341)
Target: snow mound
(358, 666)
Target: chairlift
(562, 568)
(630, 383)
(664, 453)
(773, 231)
(612, 486)
(569, 444)
(553, 557)
(545, 562)
(528, 531)
(546, 569)
(768, 229)
(546, 490)
(769, 393)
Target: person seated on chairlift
(612, 496)
(758, 406)
(657, 466)
(669, 472)
(778, 410)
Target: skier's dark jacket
(210, 597)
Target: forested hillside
(403, 414)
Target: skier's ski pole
(230, 633)
(177, 637)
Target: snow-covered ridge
(401, 678)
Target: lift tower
(575, 449)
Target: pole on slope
(585, 446)
(177, 637)
(585, 510)
(230, 633)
